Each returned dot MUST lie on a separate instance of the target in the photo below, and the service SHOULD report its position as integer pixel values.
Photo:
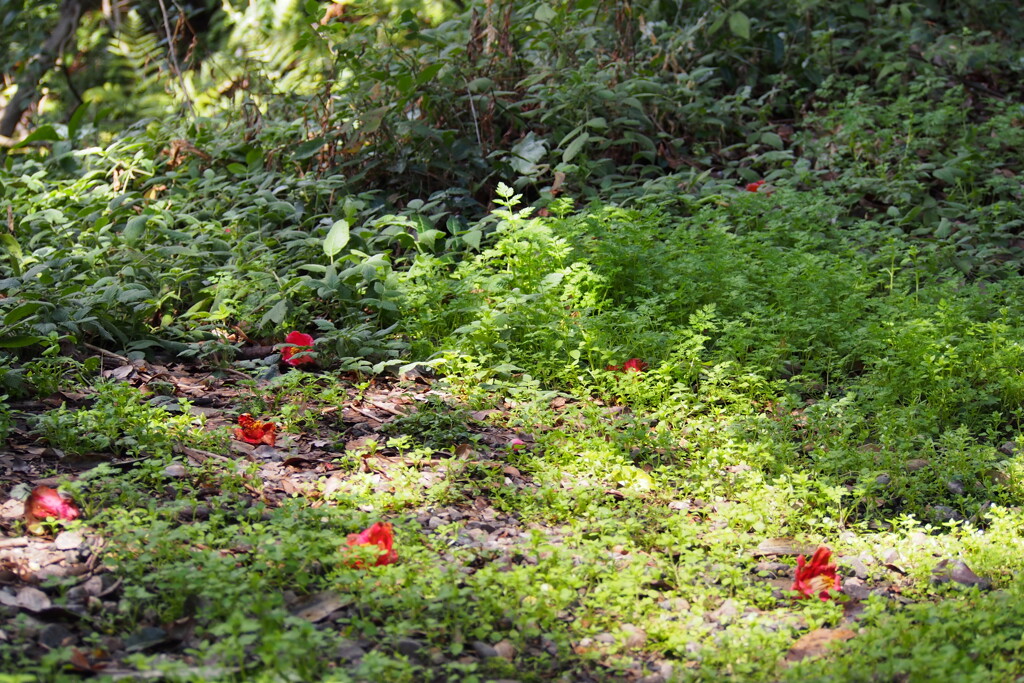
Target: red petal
(380, 535)
(299, 339)
(634, 365)
(45, 502)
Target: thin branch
(172, 54)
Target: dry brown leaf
(817, 642)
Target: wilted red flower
(818, 577)
(754, 187)
(517, 444)
(45, 502)
(631, 365)
(255, 432)
(380, 535)
(634, 365)
(302, 342)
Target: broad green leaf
(45, 133)
(307, 149)
(527, 153)
(19, 341)
(429, 73)
(21, 312)
(76, 120)
(13, 250)
(574, 147)
(135, 228)
(337, 237)
(275, 314)
(481, 84)
(739, 24)
(545, 14)
(472, 238)
(772, 139)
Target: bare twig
(108, 354)
(173, 56)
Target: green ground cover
(479, 232)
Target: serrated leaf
(739, 24)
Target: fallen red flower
(45, 502)
(302, 343)
(818, 577)
(631, 365)
(634, 365)
(380, 535)
(755, 186)
(254, 431)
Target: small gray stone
(652, 678)
(773, 569)
(175, 471)
(484, 650)
(505, 649)
(883, 479)
(634, 636)
(606, 638)
(856, 589)
(55, 636)
(955, 487)
(855, 565)
(726, 611)
(350, 651)
(944, 513)
(68, 540)
(1009, 447)
(408, 646)
(958, 572)
(435, 522)
(916, 464)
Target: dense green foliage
(521, 195)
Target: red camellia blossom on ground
(45, 502)
(517, 444)
(302, 342)
(631, 365)
(380, 535)
(255, 432)
(818, 577)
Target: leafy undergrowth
(753, 290)
(614, 447)
(606, 471)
